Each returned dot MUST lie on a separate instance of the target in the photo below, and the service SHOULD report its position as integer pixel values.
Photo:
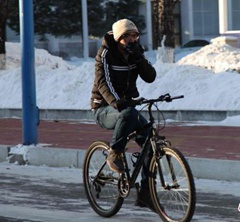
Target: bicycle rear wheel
(100, 183)
(172, 186)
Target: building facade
(194, 19)
(206, 19)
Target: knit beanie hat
(123, 26)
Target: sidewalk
(210, 146)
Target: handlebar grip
(137, 101)
(162, 98)
(177, 97)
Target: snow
(207, 78)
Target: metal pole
(223, 16)
(29, 108)
(149, 24)
(85, 29)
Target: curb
(202, 168)
(215, 169)
(4, 150)
(176, 115)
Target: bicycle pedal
(137, 186)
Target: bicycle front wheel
(172, 186)
(100, 183)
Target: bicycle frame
(132, 178)
(149, 140)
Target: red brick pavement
(217, 142)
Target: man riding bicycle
(119, 62)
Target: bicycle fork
(160, 153)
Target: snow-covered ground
(207, 78)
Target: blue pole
(29, 108)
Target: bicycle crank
(123, 185)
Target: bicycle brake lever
(168, 99)
(137, 101)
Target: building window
(205, 17)
(235, 15)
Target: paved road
(44, 194)
(218, 142)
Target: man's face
(129, 37)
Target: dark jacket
(115, 77)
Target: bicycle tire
(176, 200)
(100, 183)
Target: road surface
(45, 194)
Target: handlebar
(150, 102)
(162, 98)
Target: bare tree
(3, 20)
(164, 27)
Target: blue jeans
(123, 123)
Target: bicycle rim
(175, 199)
(100, 183)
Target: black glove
(135, 50)
(120, 104)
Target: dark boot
(144, 199)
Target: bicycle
(171, 183)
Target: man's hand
(135, 50)
(120, 104)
